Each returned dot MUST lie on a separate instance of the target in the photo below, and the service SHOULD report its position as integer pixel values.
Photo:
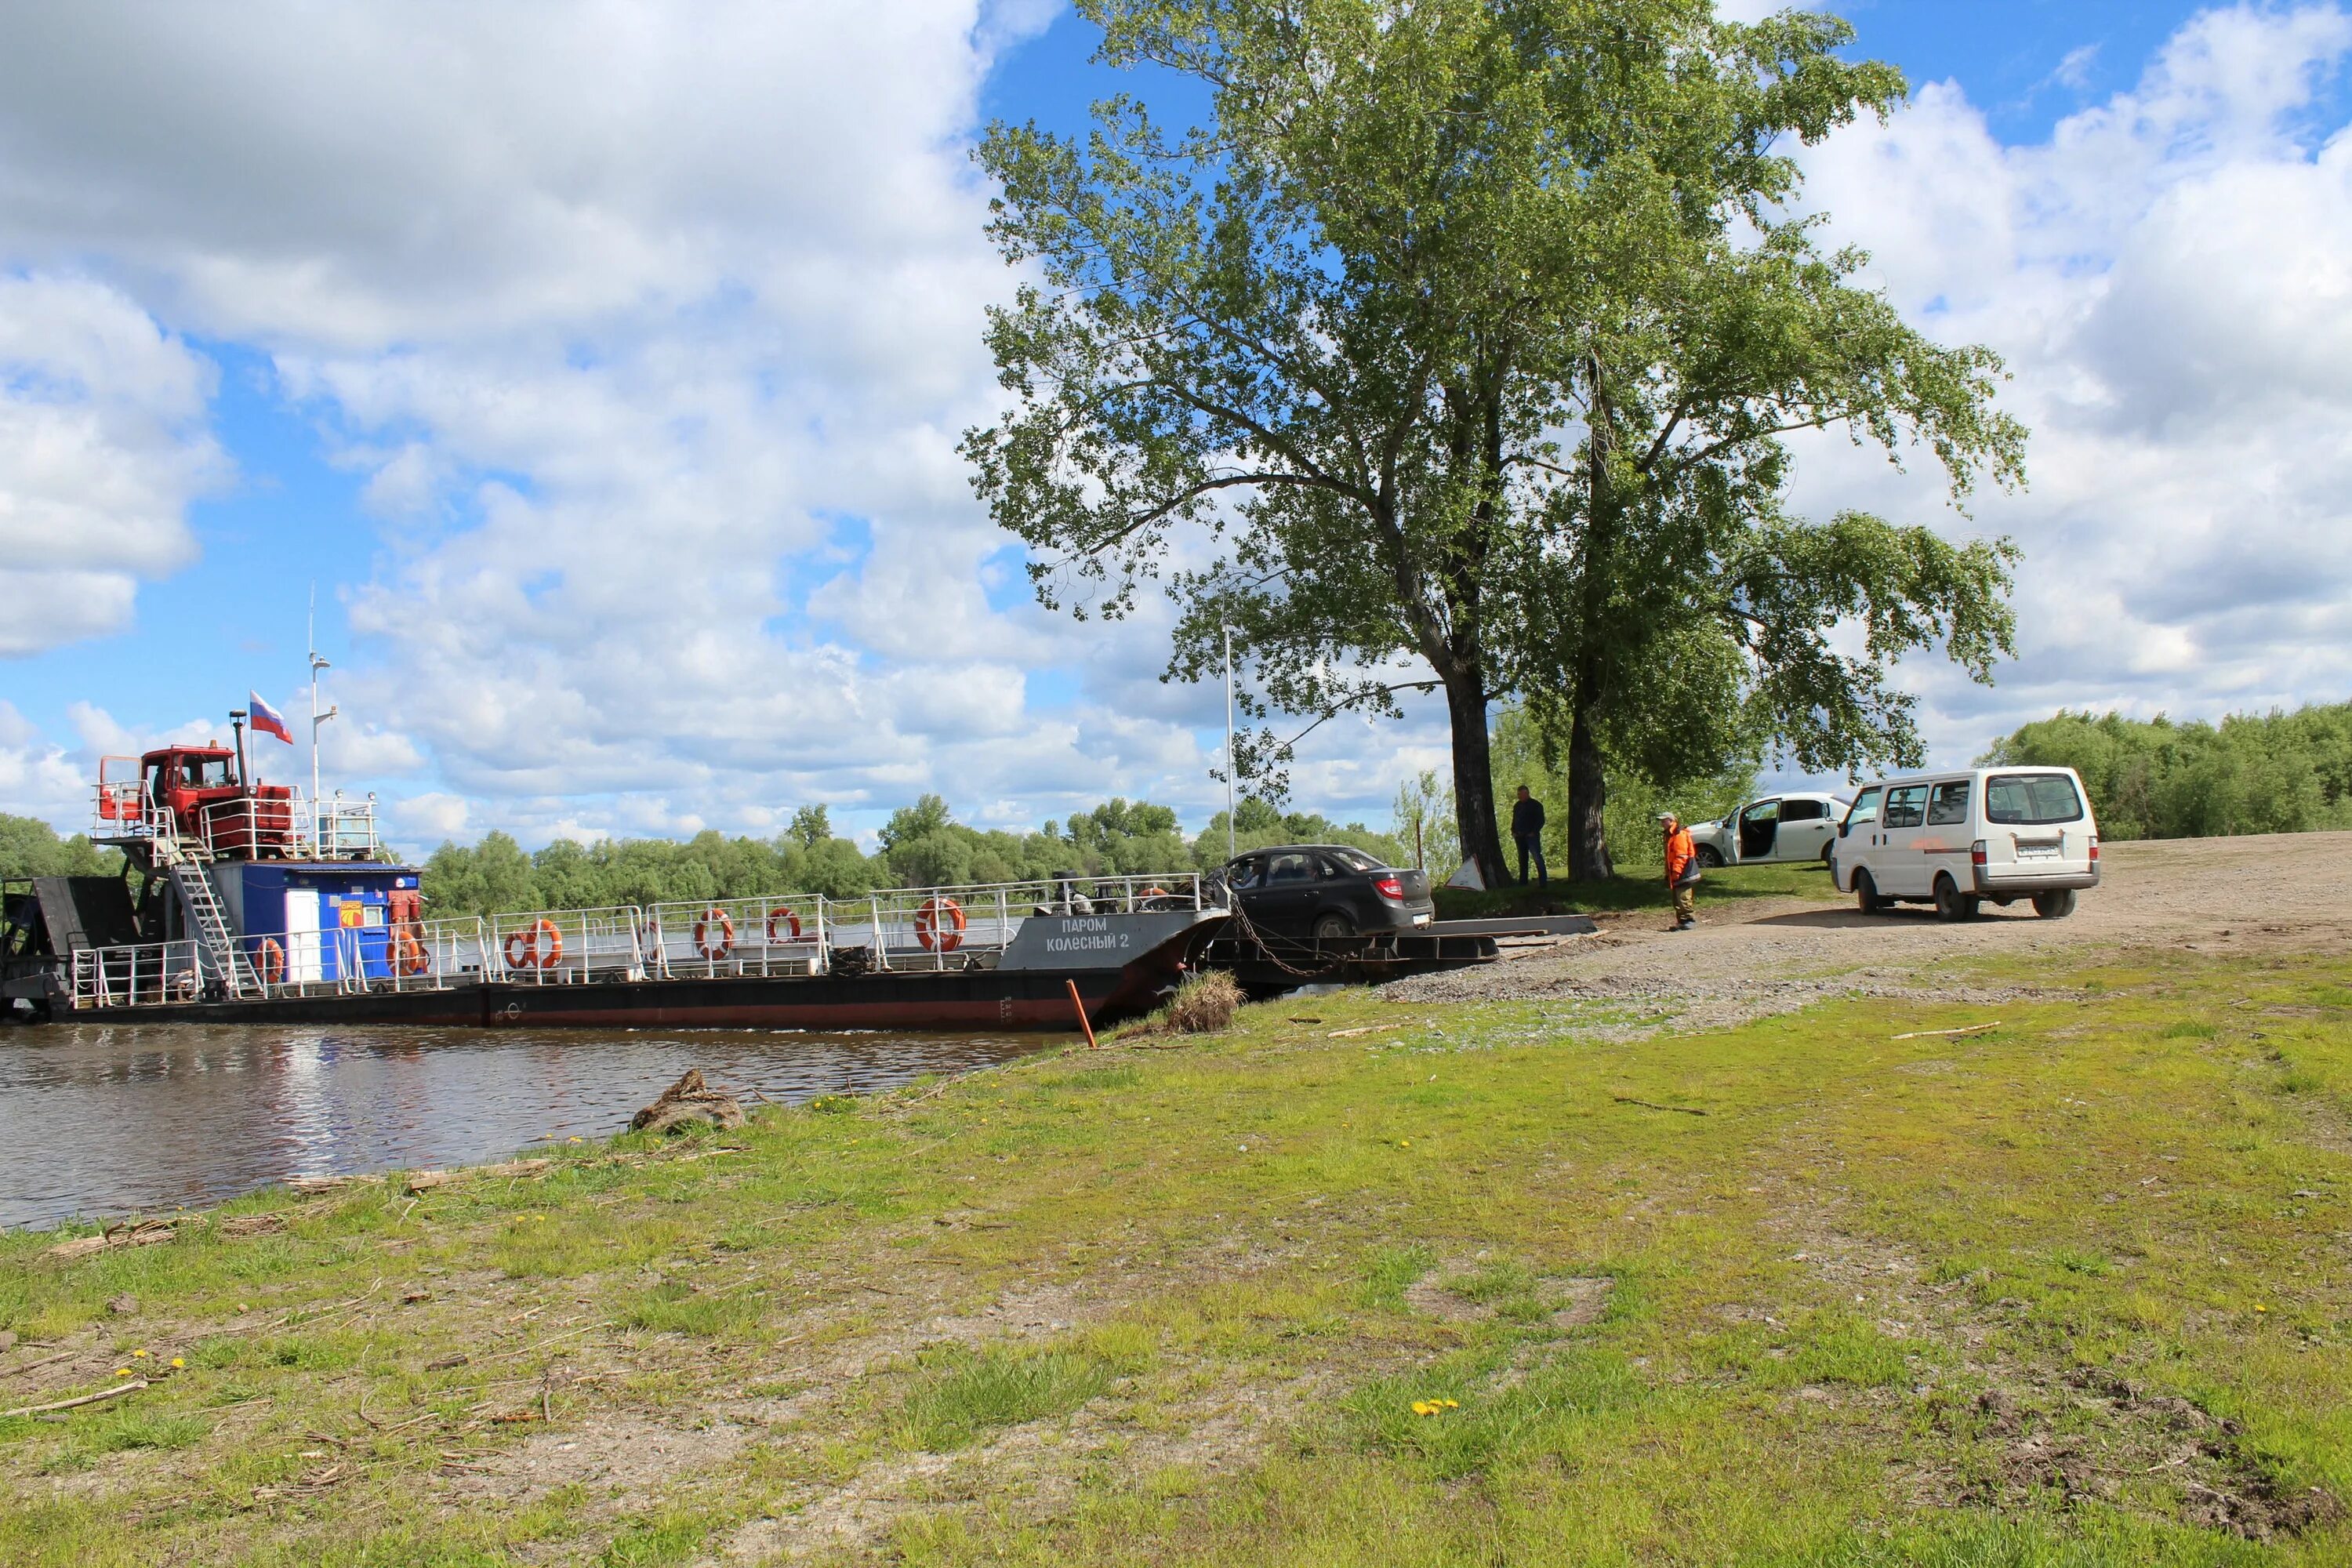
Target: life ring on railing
(270, 958)
(522, 947)
(1152, 893)
(725, 924)
(939, 925)
(784, 921)
(408, 955)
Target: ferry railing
(567, 947)
(715, 937)
(286, 825)
(137, 974)
(405, 955)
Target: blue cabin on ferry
(312, 922)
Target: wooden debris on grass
(117, 1392)
(1653, 1105)
(1363, 1029)
(685, 1103)
(126, 1233)
(1946, 1034)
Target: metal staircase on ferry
(185, 867)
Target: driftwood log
(686, 1102)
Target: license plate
(1420, 920)
(2037, 852)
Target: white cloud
(103, 446)
(2168, 276)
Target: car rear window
(1353, 860)
(2031, 800)
(1802, 810)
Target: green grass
(1176, 1305)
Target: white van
(1956, 839)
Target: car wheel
(1709, 857)
(1866, 895)
(1825, 853)
(1332, 926)
(2055, 905)
(1951, 904)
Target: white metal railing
(405, 955)
(897, 929)
(566, 947)
(719, 937)
(270, 824)
(139, 974)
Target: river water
(108, 1120)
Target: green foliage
(2273, 772)
(1522, 757)
(1258, 823)
(31, 847)
(922, 846)
(1466, 337)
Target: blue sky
(608, 396)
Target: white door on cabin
(302, 934)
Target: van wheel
(1708, 858)
(2055, 905)
(1866, 895)
(1951, 904)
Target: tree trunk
(1588, 795)
(1474, 777)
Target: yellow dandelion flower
(122, 1371)
(179, 1362)
(2260, 1307)
(1453, 1405)
(1423, 1407)
(1404, 1142)
(138, 1353)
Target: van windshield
(2031, 800)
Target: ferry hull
(976, 1001)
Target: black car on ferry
(1326, 891)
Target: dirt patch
(1428, 1295)
(2092, 1438)
(620, 1452)
(1774, 955)
(1581, 1299)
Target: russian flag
(266, 719)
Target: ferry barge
(247, 903)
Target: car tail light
(1390, 888)
(2094, 848)
(1976, 853)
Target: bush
(1203, 1004)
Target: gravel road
(1755, 957)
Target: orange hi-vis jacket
(1679, 852)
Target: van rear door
(2036, 825)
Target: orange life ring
(271, 957)
(1152, 893)
(522, 947)
(939, 925)
(726, 942)
(784, 920)
(408, 955)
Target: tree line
(31, 847)
(2152, 778)
(921, 845)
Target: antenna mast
(317, 718)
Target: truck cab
(198, 795)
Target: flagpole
(1229, 742)
(317, 718)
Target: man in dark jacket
(1527, 832)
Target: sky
(600, 369)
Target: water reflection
(113, 1120)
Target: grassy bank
(1725, 887)
(1356, 1282)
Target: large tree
(1456, 350)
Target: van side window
(1948, 805)
(1905, 807)
(1863, 810)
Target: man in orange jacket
(1680, 853)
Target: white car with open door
(1956, 839)
(1796, 826)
